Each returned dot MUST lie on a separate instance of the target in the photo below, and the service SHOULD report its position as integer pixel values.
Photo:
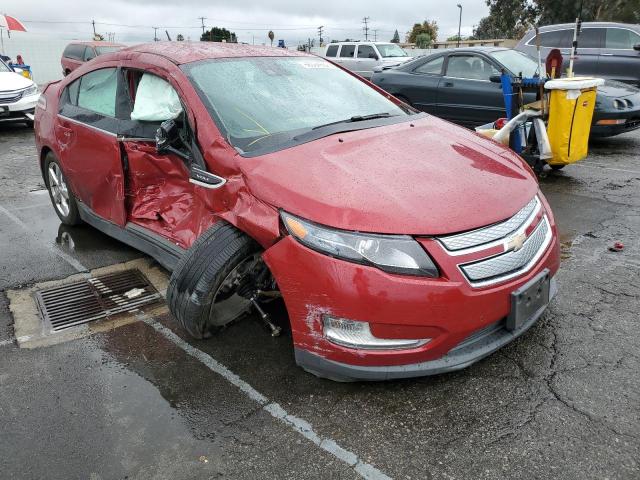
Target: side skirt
(162, 250)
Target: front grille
(483, 236)
(82, 302)
(512, 263)
(10, 97)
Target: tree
(396, 37)
(423, 40)
(218, 35)
(180, 38)
(430, 28)
(507, 19)
(271, 36)
(560, 11)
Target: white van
(363, 57)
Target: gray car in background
(606, 50)
(363, 57)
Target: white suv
(18, 96)
(363, 57)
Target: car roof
(588, 24)
(187, 52)
(470, 50)
(98, 44)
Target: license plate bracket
(528, 299)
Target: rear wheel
(213, 283)
(64, 203)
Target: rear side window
(366, 51)
(432, 67)
(97, 91)
(470, 67)
(347, 51)
(555, 39)
(621, 39)
(74, 51)
(332, 50)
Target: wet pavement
(563, 401)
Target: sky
(292, 20)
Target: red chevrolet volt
(402, 245)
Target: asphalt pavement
(144, 401)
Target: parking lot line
(299, 425)
(604, 167)
(67, 258)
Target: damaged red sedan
(401, 244)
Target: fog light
(611, 122)
(355, 334)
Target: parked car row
(18, 96)
(456, 84)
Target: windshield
(260, 101)
(390, 50)
(4, 67)
(103, 50)
(516, 62)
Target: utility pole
(375, 35)
(365, 21)
(202, 19)
(459, 24)
(320, 34)
(155, 34)
(93, 22)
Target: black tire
(557, 167)
(29, 123)
(71, 216)
(200, 274)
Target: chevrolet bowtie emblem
(515, 243)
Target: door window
(432, 67)
(591, 38)
(366, 51)
(470, 67)
(97, 91)
(621, 39)
(332, 50)
(89, 54)
(347, 51)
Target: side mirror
(495, 78)
(636, 47)
(166, 136)
(374, 56)
(89, 58)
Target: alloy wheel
(58, 189)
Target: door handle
(448, 84)
(607, 54)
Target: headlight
(32, 90)
(391, 253)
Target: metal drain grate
(95, 298)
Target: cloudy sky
(291, 20)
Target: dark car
(456, 85)
(77, 53)
(605, 50)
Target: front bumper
(448, 310)
(477, 346)
(21, 110)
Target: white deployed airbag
(156, 100)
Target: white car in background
(18, 96)
(363, 57)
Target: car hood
(428, 177)
(13, 81)
(614, 89)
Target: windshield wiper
(356, 118)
